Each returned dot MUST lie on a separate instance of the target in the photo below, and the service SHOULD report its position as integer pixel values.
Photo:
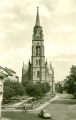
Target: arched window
(39, 61)
(36, 62)
(37, 50)
(38, 74)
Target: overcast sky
(58, 19)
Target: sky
(58, 19)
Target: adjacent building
(38, 69)
(9, 73)
(1, 90)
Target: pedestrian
(48, 100)
(24, 108)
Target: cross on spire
(37, 18)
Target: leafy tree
(8, 93)
(58, 87)
(21, 90)
(70, 82)
(37, 89)
(17, 87)
(45, 87)
(31, 89)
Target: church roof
(37, 18)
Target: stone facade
(40, 71)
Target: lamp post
(1, 90)
(52, 85)
(52, 81)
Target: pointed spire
(23, 69)
(29, 63)
(23, 65)
(53, 70)
(50, 65)
(46, 60)
(29, 60)
(46, 63)
(37, 18)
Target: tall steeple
(38, 55)
(23, 65)
(37, 18)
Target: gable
(3, 71)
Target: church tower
(38, 57)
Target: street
(63, 108)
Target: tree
(8, 93)
(58, 87)
(32, 89)
(38, 89)
(17, 87)
(45, 87)
(21, 90)
(70, 82)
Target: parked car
(44, 114)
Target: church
(38, 69)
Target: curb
(45, 104)
(4, 119)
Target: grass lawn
(40, 100)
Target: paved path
(19, 103)
(38, 108)
(4, 119)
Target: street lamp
(52, 86)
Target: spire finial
(37, 8)
(37, 18)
